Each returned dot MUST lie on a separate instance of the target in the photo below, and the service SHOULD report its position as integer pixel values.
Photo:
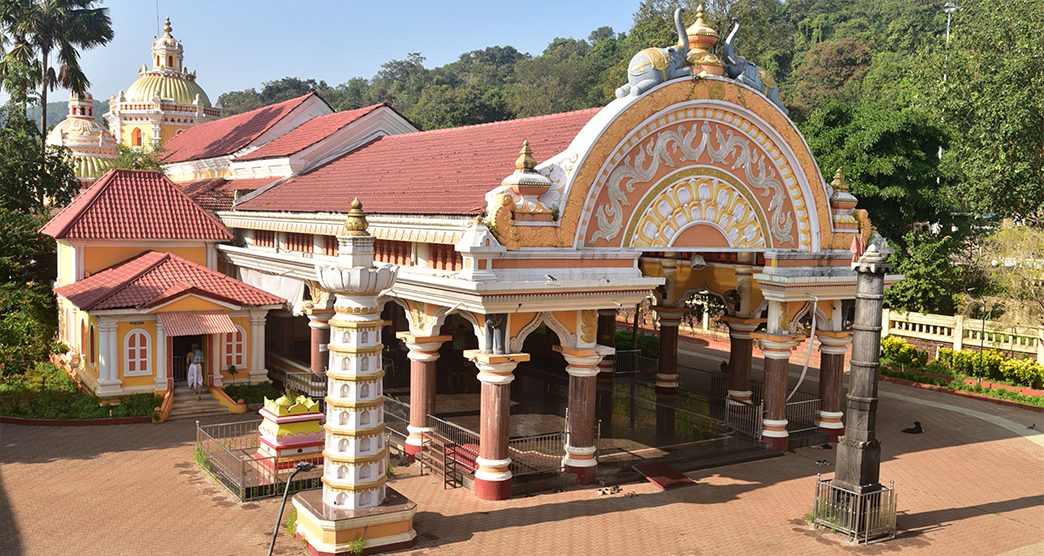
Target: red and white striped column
(424, 355)
(667, 373)
(496, 373)
(833, 346)
(741, 355)
(582, 364)
(777, 350)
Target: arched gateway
(695, 184)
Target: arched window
(170, 61)
(83, 339)
(137, 354)
(92, 352)
(234, 348)
(136, 137)
(364, 390)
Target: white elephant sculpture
(653, 66)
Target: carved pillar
(258, 371)
(667, 375)
(832, 349)
(493, 476)
(319, 327)
(777, 349)
(424, 355)
(582, 366)
(741, 355)
(859, 451)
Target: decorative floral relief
(687, 144)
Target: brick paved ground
(972, 484)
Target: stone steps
(187, 406)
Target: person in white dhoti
(195, 370)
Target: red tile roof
(227, 135)
(153, 278)
(248, 184)
(135, 204)
(308, 133)
(209, 193)
(445, 171)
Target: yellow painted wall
(191, 303)
(146, 133)
(66, 263)
(90, 367)
(122, 328)
(100, 257)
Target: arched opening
(170, 61)
(136, 137)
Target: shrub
(252, 393)
(900, 351)
(992, 364)
(48, 393)
(648, 345)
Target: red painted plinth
(833, 433)
(412, 450)
(584, 475)
(776, 443)
(492, 490)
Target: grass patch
(46, 392)
(252, 393)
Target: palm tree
(60, 27)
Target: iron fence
(537, 454)
(744, 418)
(228, 452)
(396, 419)
(801, 415)
(863, 517)
(632, 362)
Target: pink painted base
(492, 490)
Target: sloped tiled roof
(227, 135)
(445, 171)
(135, 204)
(308, 133)
(210, 193)
(153, 278)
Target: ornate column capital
(583, 362)
(670, 316)
(740, 328)
(495, 368)
(777, 346)
(422, 348)
(834, 343)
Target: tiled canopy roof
(135, 204)
(227, 135)
(308, 133)
(446, 171)
(153, 278)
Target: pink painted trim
(944, 389)
(289, 418)
(269, 443)
(73, 422)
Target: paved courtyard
(972, 484)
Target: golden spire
(356, 224)
(838, 183)
(525, 161)
(166, 27)
(701, 29)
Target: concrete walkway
(971, 484)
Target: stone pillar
(424, 355)
(161, 357)
(741, 355)
(858, 451)
(319, 326)
(582, 366)
(258, 371)
(832, 349)
(109, 382)
(667, 375)
(354, 502)
(493, 476)
(777, 349)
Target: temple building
(514, 246)
(164, 100)
(91, 147)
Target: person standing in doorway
(195, 370)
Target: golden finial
(166, 27)
(525, 161)
(478, 220)
(838, 183)
(700, 29)
(356, 224)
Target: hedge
(989, 364)
(47, 392)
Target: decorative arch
(567, 338)
(630, 147)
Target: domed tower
(91, 147)
(162, 101)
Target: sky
(238, 44)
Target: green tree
(831, 70)
(61, 28)
(31, 180)
(930, 279)
(237, 102)
(400, 82)
(136, 159)
(994, 69)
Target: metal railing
(744, 418)
(537, 454)
(396, 419)
(801, 415)
(228, 452)
(632, 362)
(863, 517)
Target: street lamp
(301, 466)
